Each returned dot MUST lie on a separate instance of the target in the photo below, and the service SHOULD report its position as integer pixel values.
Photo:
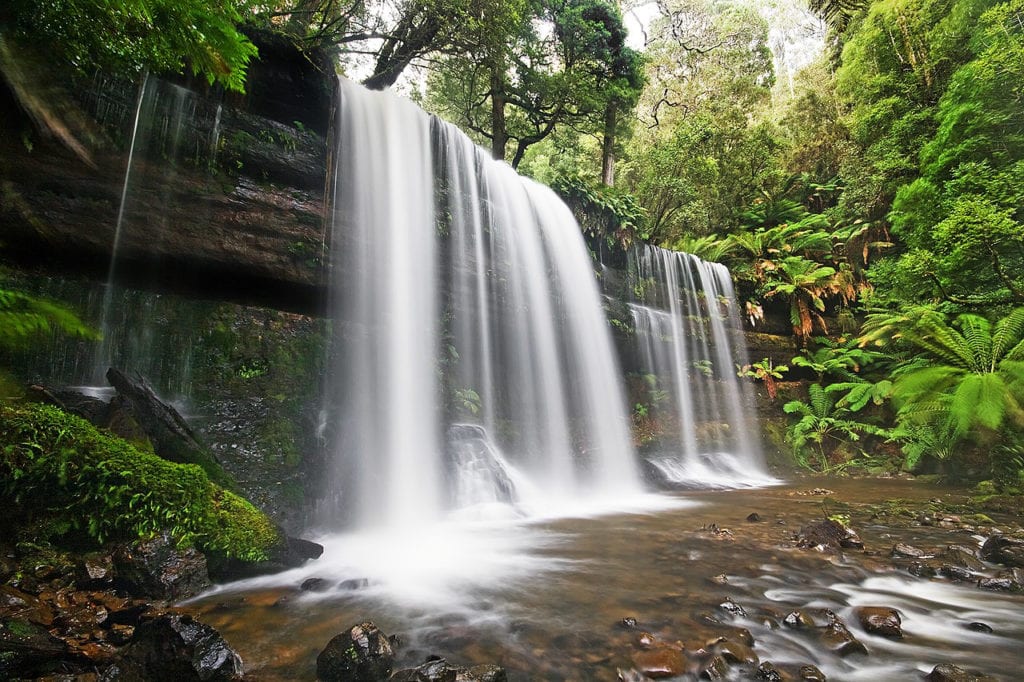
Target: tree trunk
(608, 145)
(499, 135)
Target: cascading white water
(463, 294)
(690, 344)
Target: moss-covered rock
(59, 473)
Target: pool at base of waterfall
(584, 594)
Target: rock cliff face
(224, 194)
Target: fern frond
(977, 333)
(820, 403)
(942, 341)
(1009, 335)
(979, 400)
(924, 383)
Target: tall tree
(528, 67)
(703, 150)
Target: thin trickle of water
(103, 349)
(171, 129)
(689, 344)
(468, 329)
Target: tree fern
(975, 377)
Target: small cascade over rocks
(689, 346)
(470, 348)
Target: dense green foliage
(23, 317)
(129, 36)
(60, 474)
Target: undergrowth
(59, 474)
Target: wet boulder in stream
(826, 534)
(661, 661)
(437, 669)
(839, 640)
(175, 648)
(947, 672)
(880, 620)
(1000, 549)
(361, 654)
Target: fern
(973, 384)
(23, 317)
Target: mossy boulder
(62, 477)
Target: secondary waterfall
(690, 345)
(472, 362)
(171, 130)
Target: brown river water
(546, 599)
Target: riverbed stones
(26, 648)
(96, 568)
(735, 653)
(437, 669)
(902, 550)
(732, 608)
(487, 673)
(772, 672)
(314, 585)
(880, 620)
(23, 605)
(798, 619)
(361, 654)
(175, 648)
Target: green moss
(237, 529)
(59, 471)
(20, 628)
(278, 436)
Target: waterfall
(689, 346)
(470, 350)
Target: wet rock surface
(72, 619)
(157, 568)
(361, 654)
(828, 534)
(999, 549)
(250, 231)
(947, 672)
(438, 669)
(880, 620)
(175, 648)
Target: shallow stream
(546, 599)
